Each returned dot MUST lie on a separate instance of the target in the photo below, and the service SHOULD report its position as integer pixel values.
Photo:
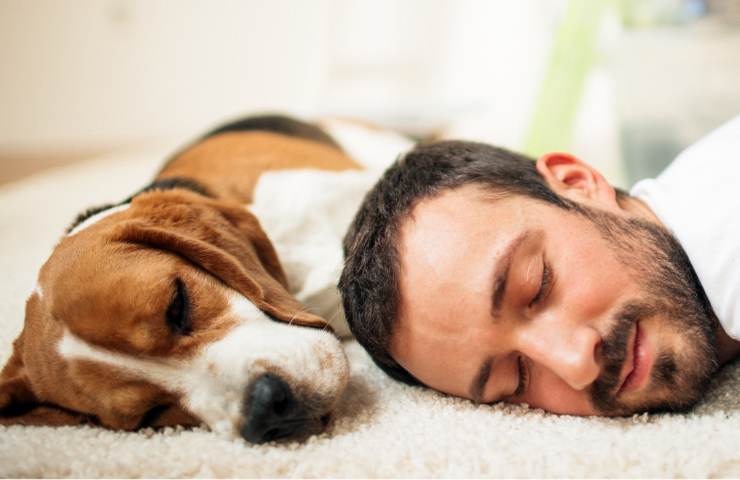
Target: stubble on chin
(673, 294)
(613, 354)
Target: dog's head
(173, 310)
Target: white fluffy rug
(381, 429)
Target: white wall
(108, 72)
(101, 71)
(424, 62)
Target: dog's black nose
(271, 411)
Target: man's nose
(271, 411)
(570, 352)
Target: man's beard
(672, 291)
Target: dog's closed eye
(178, 312)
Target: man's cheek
(596, 281)
(550, 393)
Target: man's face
(513, 299)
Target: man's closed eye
(545, 285)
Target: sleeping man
(482, 274)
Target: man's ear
(18, 403)
(575, 180)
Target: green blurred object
(642, 14)
(571, 59)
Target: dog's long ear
(222, 238)
(18, 403)
(248, 224)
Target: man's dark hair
(369, 281)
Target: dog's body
(270, 144)
(173, 308)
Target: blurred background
(624, 84)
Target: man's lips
(638, 362)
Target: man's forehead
(439, 261)
(435, 228)
(449, 250)
(461, 208)
(447, 202)
(448, 238)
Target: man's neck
(637, 207)
(727, 348)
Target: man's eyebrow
(481, 378)
(501, 273)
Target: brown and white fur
(172, 308)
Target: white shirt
(698, 198)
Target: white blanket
(382, 428)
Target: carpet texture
(381, 428)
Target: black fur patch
(164, 184)
(169, 184)
(89, 213)
(277, 124)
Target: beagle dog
(172, 308)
